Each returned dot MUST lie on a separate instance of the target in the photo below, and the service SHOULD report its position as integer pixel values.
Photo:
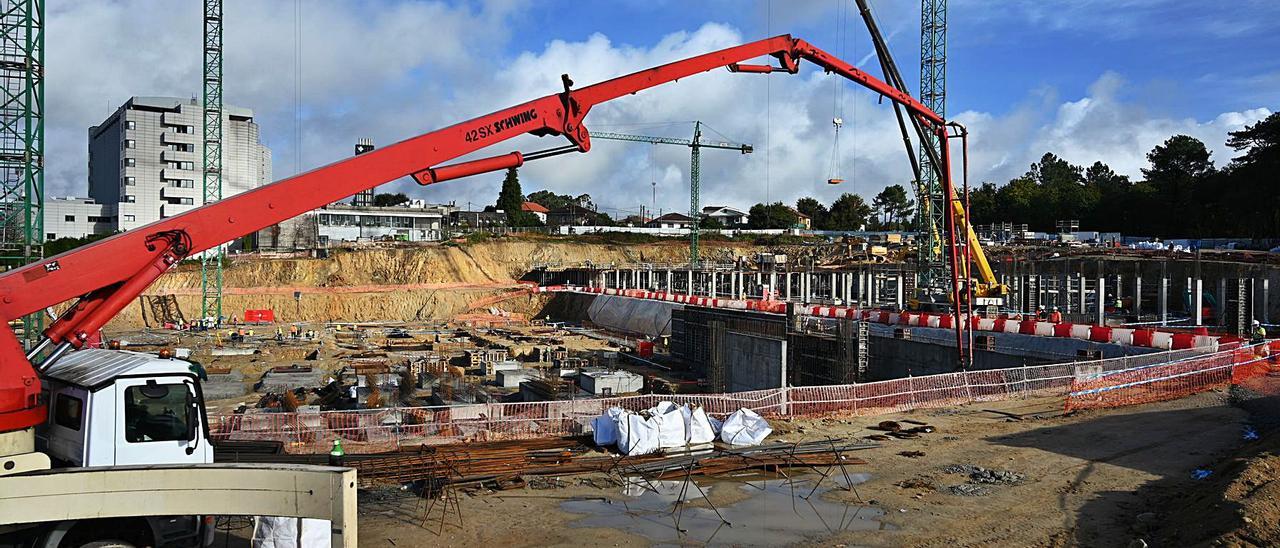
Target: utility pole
(211, 260)
(696, 145)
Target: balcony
(172, 173)
(172, 138)
(177, 156)
(178, 119)
(169, 210)
(180, 192)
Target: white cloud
(1100, 126)
(410, 67)
(365, 72)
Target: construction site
(310, 361)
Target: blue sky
(1086, 79)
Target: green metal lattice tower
(211, 260)
(933, 93)
(695, 168)
(22, 139)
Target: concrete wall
(754, 363)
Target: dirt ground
(1097, 478)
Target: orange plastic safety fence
(364, 431)
(1167, 381)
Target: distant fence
(1172, 380)
(389, 429)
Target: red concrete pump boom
(107, 275)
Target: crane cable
(837, 97)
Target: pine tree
(511, 198)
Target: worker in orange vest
(1055, 316)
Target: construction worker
(1041, 314)
(1055, 316)
(279, 334)
(1258, 333)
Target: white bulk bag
(744, 427)
(669, 420)
(699, 425)
(637, 435)
(605, 427)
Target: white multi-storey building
(146, 158)
(77, 218)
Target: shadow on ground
(1170, 445)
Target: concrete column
(1198, 302)
(848, 288)
(787, 290)
(835, 292)
(742, 285)
(713, 284)
(1137, 295)
(1084, 295)
(1164, 300)
(688, 289)
(1221, 309)
(670, 288)
(864, 288)
(898, 298)
(733, 284)
(1066, 294)
(806, 284)
(773, 283)
(1102, 300)
(1266, 300)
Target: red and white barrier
(1150, 338)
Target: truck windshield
(155, 413)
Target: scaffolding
(22, 139)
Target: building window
(68, 411)
(69, 218)
(188, 165)
(50, 236)
(129, 143)
(131, 125)
(129, 199)
(130, 162)
(128, 218)
(130, 181)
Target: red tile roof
(534, 207)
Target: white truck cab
(115, 408)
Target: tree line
(891, 209)
(1181, 192)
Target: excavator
(69, 409)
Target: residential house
(478, 219)
(802, 220)
(671, 220)
(727, 216)
(537, 209)
(572, 215)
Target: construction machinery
(112, 410)
(695, 169)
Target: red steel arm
(110, 273)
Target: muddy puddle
(771, 512)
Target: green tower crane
(695, 168)
(211, 260)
